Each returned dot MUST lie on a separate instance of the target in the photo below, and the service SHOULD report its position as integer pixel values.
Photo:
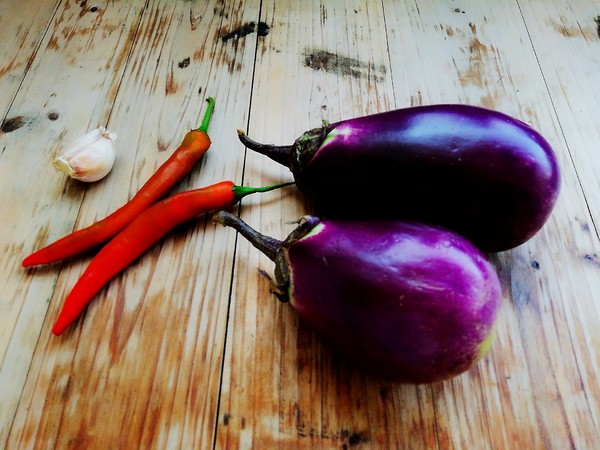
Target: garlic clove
(88, 158)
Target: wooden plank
(282, 387)
(566, 37)
(537, 387)
(23, 25)
(39, 204)
(541, 379)
(142, 369)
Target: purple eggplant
(479, 172)
(410, 302)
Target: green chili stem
(207, 115)
(240, 192)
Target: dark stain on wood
(161, 145)
(535, 265)
(42, 236)
(235, 45)
(10, 66)
(416, 99)
(240, 32)
(84, 9)
(593, 259)
(518, 280)
(220, 11)
(563, 29)
(12, 124)
(194, 20)
(347, 438)
(326, 61)
(244, 30)
(522, 292)
(357, 438)
(184, 63)
(584, 225)
(53, 115)
(577, 30)
(477, 47)
(53, 43)
(480, 58)
(353, 439)
(263, 29)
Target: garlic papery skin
(88, 158)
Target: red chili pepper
(143, 232)
(180, 163)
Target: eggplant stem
(266, 244)
(278, 153)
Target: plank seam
(235, 244)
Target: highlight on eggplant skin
(482, 173)
(409, 302)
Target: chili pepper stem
(240, 192)
(278, 153)
(207, 115)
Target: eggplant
(479, 172)
(410, 302)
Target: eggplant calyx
(305, 147)
(305, 225)
(278, 153)
(278, 289)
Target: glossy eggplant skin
(479, 172)
(410, 302)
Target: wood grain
(282, 387)
(533, 330)
(23, 26)
(38, 204)
(444, 55)
(165, 377)
(188, 348)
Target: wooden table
(187, 348)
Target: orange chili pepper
(180, 164)
(143, 232)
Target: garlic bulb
(88, 158)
